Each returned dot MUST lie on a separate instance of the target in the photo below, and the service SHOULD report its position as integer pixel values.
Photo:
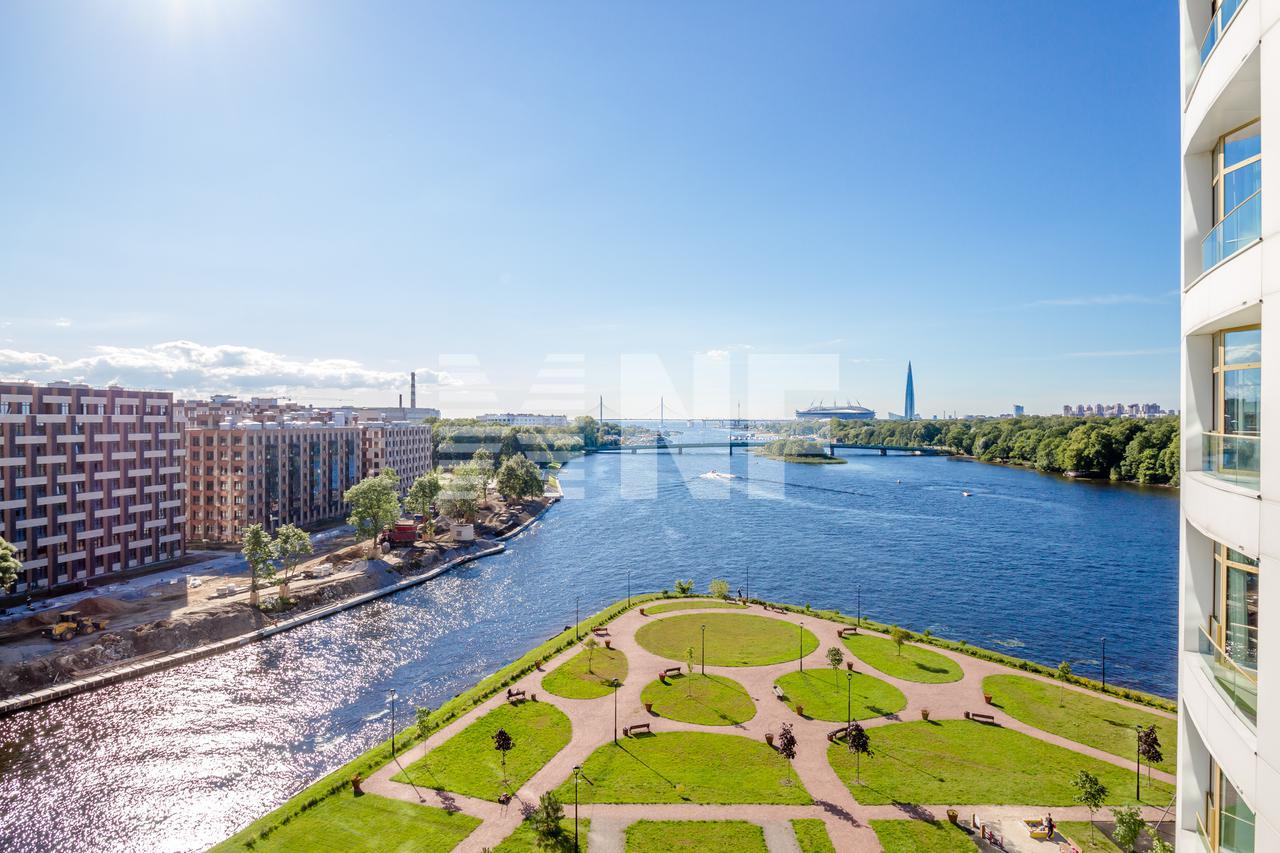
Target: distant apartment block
(1115, 410)
(91, 480)
(524, 419)
(403, 447)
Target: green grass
(468, 764)
(919, 836)
(1080, 717)
(687, 767)
(572, 680)
(701, 603)
(962, 762)
(525, 840)
(824, 693)
(703, 836)
(370, 823)
(708, 700)
(916, 663)
(733, 639)
(1095, 842)
(811, 835)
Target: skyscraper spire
(909, 408)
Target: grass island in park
(610, 724)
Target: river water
(1037, 566)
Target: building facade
(91, 481)
(909, 403)
(1228, 677)
(523, 419)
(404, 447)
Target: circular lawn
(733, 639)
(827, 694)
(708, 700)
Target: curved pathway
(847, 821)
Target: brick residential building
(402, 446)
(90, 480)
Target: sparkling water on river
(1037, 566)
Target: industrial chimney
(413, 390)
(401, 404)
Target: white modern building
(1228, 678)
(524, 419)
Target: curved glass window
(1237, 169)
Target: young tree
(720, 588)
(374, 504)
(859, 743)
(899, 636)
(422, 494)
(518, 479)
(1064, 675)
(504, 744)
(1129, 825)
(291, 545)
(423, 718)
(688, 656)
(1149, 747)
(1158, 844)
(9, 565)
(464, 492)
(835, 657)
(547, 824)
(787, 744)
(684, 587)
(591, 645)
(1090, 792)
(258, 549)
(484, 463)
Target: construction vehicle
(402, 534)
(70, 623)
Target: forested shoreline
(1122, 449)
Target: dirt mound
(105, 605)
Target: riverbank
(191, 630)
(805, 459)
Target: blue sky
(535, 204)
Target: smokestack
(401, 406)
(413, 390)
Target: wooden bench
(980, 718)
(777, 691)
(629, 731)
(846, 632)
(600, 632)
(671, 670)
(513, 695)
(837, 734)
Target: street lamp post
(1137, 782)
(577, 600)
(802, 647)
(704, 649)
(617, 686)
(848, 699)
(1104, 664)
(391, 698)
(859, 605)
(628, 587)
(748, 583)
(577, 771)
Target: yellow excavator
(70, 623)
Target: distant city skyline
(268, 208)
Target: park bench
(513, 695)
(836, 734)
(600, 632)
(846, 632)
(671, 670)
(980, 718)
(777, 691)
(629, 731)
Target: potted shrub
(849, 665)
(924, 714)
(355, 784)
(953, 816)
(800, 710)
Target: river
(1034, 565)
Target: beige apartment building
(91, 480)
(402, 446)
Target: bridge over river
(832, 447)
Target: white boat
(967, 494)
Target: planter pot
(608, 644)
(953, 816)
(986, 697)
(768, 738)
(648, 706)
(849, 665)
(800, 710)
(924, 714)
(355, 785)
(642, 613)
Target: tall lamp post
(859, 605)
(628, 587)
(848, 699)
(1104, 664)
(748, 583)
(704, 649)
(1137, 730)
(802, 647)
(577, 771)
(617, 686)
(577, 599)
(391, 700)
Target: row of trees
(1141, 451)
(793, 448)
(457, 439)
(273, 559)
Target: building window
(1232, 451)
(1237, 194)
(1229, 643)
(1228, 822)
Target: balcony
(1234, 459)
(1240, 228)
(1238, 684)
(1226, 14)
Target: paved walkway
(846, 820)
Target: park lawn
(703, 836)
(468, 764)
(525, 840)
(824, 694)
(916, 663)
(372, 823)
(811, 835)
(1081, 717)
(702, 603)
(708, 700)
(922, 836)
(1095, 842)
(687, 767)
(573, 680)
(733, 639)
(966, 763)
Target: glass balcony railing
(1237, 684)
(1222, 20)
(1241, 227)
(1235, 459)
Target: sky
(554, 206)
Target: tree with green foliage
(423, 718)
(464, 492)
(547, 820)
(1158, 844)
(1090, 792)
(720, 588)
(859, 743)
(684, 587)
(503, 742)
(899, 636)
(1128, 826)
(518, 479)
(374, 503)
(1063, 675)
(291, 545)
(787, 746)
(485, 464)
(258, 550)
(422, 495)
(835, 657)
(688, 656)
(591, 645)
(10, 565)
(1149, 747)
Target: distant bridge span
(680, 446)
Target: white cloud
(196, 369)
(62, 323)
(1104, 299)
